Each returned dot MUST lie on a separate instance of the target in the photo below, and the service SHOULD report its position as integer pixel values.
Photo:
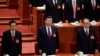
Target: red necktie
(49, 34)
(93, 2)
(74, 8)
(86, 32)
(13, 36)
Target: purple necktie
(86, 32)
(13, 36)
(49, 34)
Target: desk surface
(61, 55)
(70, 25)
(67, 55)
(67, 33)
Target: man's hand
(40, 51)
(59, 7)
(57, 50)
(30, 5)
(80, 21)
(79, 52)
(78, 8)
(19, 54)
(96, 51)
(98, 6)
(99, 20)
(66, 21)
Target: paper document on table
(58, 24)
(6, 55)
(76, 23)
(81, 55)
(93, 22)
(43, 54)
(42, 7)
(51, 55)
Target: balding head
(86, 23)
(86, 20)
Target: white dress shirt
(74, 2)
(12, 32)
(54, 2)
(86, 30)
(93, 2)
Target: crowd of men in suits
(48, 37)
(71, 10)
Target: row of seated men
(74, 10)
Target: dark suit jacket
(85, 43)
(48, 44)
(10, 47)
(37, 2)
(68, 10)
(89, 12)
(52, 10)
(98, 10)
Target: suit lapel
(84, 32)
(53, 31)
(70, 2)
(96, 2)
(90, 32)
(45, 30)
(51, 2)
(10, 34)
(77, 3)
(58, 2)
(16, 35)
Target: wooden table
(61, 55)
(67, 54)
(67, 34)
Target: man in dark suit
(98, 11)
(86, 39)
(73, 10)
(48, 38)
(91, 9)
(54, 9)
(11, 41)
